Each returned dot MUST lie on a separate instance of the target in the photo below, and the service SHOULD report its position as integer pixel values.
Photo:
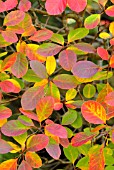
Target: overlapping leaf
(4, 147)
(109, 99)
(5, 112)
(24, 165)
(9, 164)
(24, 5)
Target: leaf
(96, 158)
(85, 69)
(93, 112)
(53, 149)
(24, 165)
(109, 99)
(81, 138)
(14, 17)
(10, 164)
(103, 53)
(85, 47)
(4, 147)
(20, 66)
(111, 28)
(89, 90)
(31, 52)
(104, 35)
(110, 11)
(77, 5)
(65, 81)
(29, 114)
(33, 159)
(57, 130)
(55, 7)
(8, 5)
(69, 117)
(8, 61)
(5, 112)
(10, 85)
(39, 69)
(83, 162)
(64, 142)
(102, 2)
(13, 128)
(3, 42)
(112, 61)
(21, 139)
(30, 76)
(92, 21)
(31, 97)
(71, 153)
(50, 64)
(58, 38)
(25, 120)
(41, 35)
(3, 54)
(70, 94)
(49, 49)
(10, 36)
(37, 142)
(77, 34)
(78, 122)
(44, 108)
(24, 5)
(67, 58)
(15, 29)
(15, 147)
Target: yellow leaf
(21, 46)
(2, 122)
(50, 64)
(15, 147)
(10, 164)
(70, 94)
(111, 28)
(104, 35)
(41, 83)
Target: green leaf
(30, 76)
(71, 153)
(57, 38)
(78, 122)
(109, 168)
(92, 21)
(77, 34)
(89, 90)
(69, 117)
(83, 162)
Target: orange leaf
(10, 164)
(93, 112)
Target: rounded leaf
(110, 11)
(89, 90)
(5, 112)
(77, 5)
(103, 53)
(92, 21)
(109, 99)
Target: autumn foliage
(56, 84)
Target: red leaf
(112, 41)
(24, 165)
(24, 5)
(85, 69)
(41, 35)
(77, 5)
(14, 17)
(93, 112)
(64, 142)
(49, 49)
(37, 142)
(109, 99)
(39, 69)
(20, 66)
(4, 147)
(103, 53)
(31, 97)
(13, 128)
(56, 130)
(81, 138)
(110, 11)
(55, 7)
(44, 108)
(9, 36)
(8, 5)
(67, 58)
(5, 112)
(53, 149)
(29, 114)
(85, 47)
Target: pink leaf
(85, 47)
(8, 5)
(64, 142)
(24, 166)
(85, 69)
(41, 35)
(55, 7)
(37, 142)
(24, 5)
(67, 58)
(57, 130)
(109, 99)
(29, 114)
(81, 138)
(4, 147)
(77, 5)
(110, 11)
(103, 53)
(9, 36)
(5, 112)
